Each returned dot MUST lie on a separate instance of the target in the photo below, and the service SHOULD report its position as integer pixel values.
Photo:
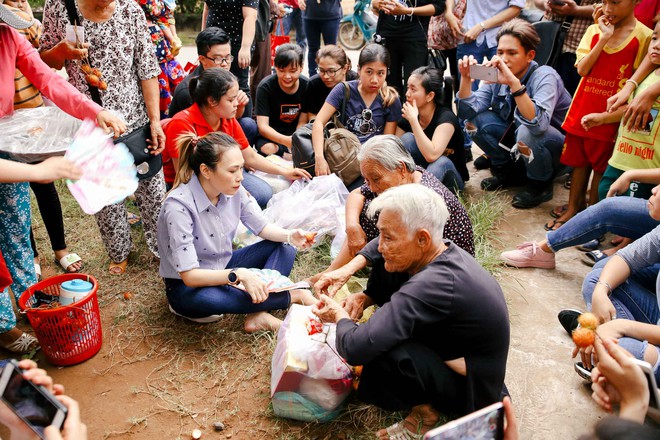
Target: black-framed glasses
(330, 72)
(219, 61)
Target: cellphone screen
(487, 426)
(29, 403)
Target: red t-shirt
(609, 73)
(191, 120)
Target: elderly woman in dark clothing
(406, 363)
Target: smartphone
(33, 404)
(558, 2)
(483, 73)
(653, 114)
(654, 394)
(582, 371)
(485, 424)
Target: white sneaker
(204, 320)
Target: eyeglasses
(220, 61)
(329, 72)
(367, 115)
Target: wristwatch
(232, 277)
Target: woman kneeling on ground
(196, 226)
(405, 364)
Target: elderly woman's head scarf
(11, 19)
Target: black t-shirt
(282, 109)
(405, 27)
(443, 115)
(228, 16)
(317, 91)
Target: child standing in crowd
(196, 226)
(373, 107)
(617, 39)
(634, 149)
(279, 100)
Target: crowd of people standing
(404, 216)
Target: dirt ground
(157, 376)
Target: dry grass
(201, 370)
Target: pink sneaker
(529, 254)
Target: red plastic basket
(68, 334)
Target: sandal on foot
(593, 257)
(24, 344)
(37, 270)
(591, 245)
(133, 219)
(553, 225)
(398, 431)
(558, 211)
(117, 268)
(69, 259)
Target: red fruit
(97, 72)
(86, 68)
(584, 337)
(103, 85)
(588, 320)
(310, 236)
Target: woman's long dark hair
(212, 83)
(433, 81)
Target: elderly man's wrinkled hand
(328, 310)
(355, 304)
(331, 282)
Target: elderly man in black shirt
(440, 338)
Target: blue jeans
(295, 20)
(625, 216)
(249, 127)
(635, 300)
(258, 188)
(546, 148)
(443, 168)
(199, 302)
(314, 29)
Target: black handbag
(552, 34)
(146, 163)
(437, 60)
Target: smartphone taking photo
(485, 424)
(483, 73)
(654, 394)
(33, 404)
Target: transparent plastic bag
(35, 134)
(308, 366)
(310, 205)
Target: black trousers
(51, 213)
(406, 56)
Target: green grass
(201, 369)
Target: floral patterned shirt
(119, 47)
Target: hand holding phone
(484, 73)
(34, 404)
(485, 424)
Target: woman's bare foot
(303, 296)
(255, 322)
(421, 419)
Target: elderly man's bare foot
(255, 322)
(421, 419)
(303, 296)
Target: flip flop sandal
(23, 344)
(554, 225)
(66, 261)
(593, 257)
(37, 270)
(399, 432)
(117, 268)
(562, 210)
(567, 184)
(591, 245)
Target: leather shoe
(482, 162)
(532, 196)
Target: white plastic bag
(310, 205)
(34, 134)
(310, 381)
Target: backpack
(340, 148)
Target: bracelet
(632, 81)
(288, 237)
(412, 11)
(483, 27)
(521, 91)
(606, 284)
